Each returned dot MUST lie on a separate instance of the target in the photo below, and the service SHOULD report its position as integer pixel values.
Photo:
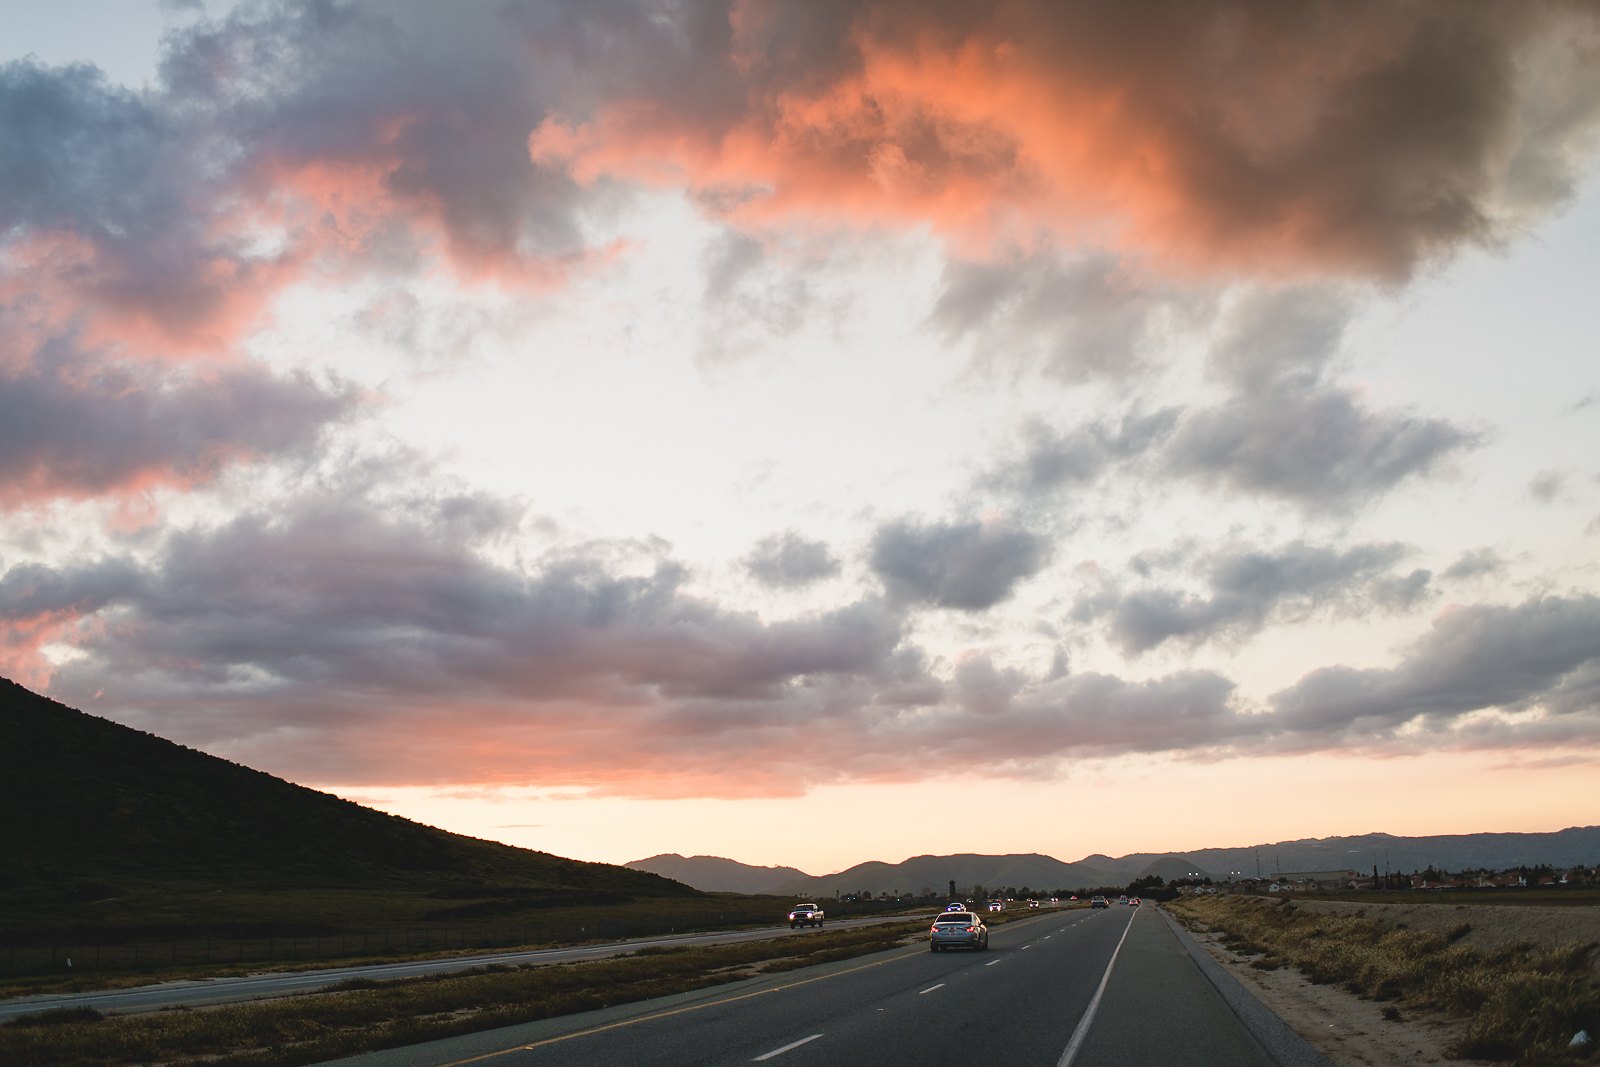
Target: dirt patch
(1352, 1030)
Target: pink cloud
(1308, 138)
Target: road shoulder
(1342, 1028)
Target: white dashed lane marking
(790, 1047)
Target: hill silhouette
(922, 875)
(95, 808)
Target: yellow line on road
(676, 1011)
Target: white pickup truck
(805, 915)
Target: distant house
(1317, 881)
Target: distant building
(1316, 881)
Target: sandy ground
(1351, 1031)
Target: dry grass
(1524, 1003)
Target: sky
(766, 430)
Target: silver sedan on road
(958, 929)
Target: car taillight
(972, 929)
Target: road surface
(1063, 989)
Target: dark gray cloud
(330, 619)
(329, 641)
(1029, 726)
(1541, 655)
(33, 590)
(389, 132)
(1280, 335)
(74, 427)
(1247, 588)
(754, 297)
(788, 561)
(1318, 447)
(1287, 432)
(369, 135)
(1078, 320)
(1270, 136)
(1548, 486)
(968, 566)
(79, 154)
(1052, 460)
(1476, 563)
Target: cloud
(788, 561)
(329, 637)
(397, 115)
(284, 143)
(288, 142)
(1320, 448)
(1363, 139)
(39, 605)
(966, 566)
(78, 428)
(1030, 728)
(1539, 656)
(1476, 563)
(757, 294)
(1286, 432)
(1248, 588)
(1548, 486)
(1272, 336)
(1052, 460)
(1080, 320)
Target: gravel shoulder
(1355, 1032)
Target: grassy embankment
(1524, 1004)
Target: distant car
(997, 905)
(805, 915)
(1133, 902)
(958, 929)
(1122, 899)
(1099, 902)
(955, 906)
(1033, 903)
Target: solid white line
(1082, 1031)
(931, 988)
(790, 1047)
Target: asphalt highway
(1062, 989)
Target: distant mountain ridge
(729, 875)
(1497, 851)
